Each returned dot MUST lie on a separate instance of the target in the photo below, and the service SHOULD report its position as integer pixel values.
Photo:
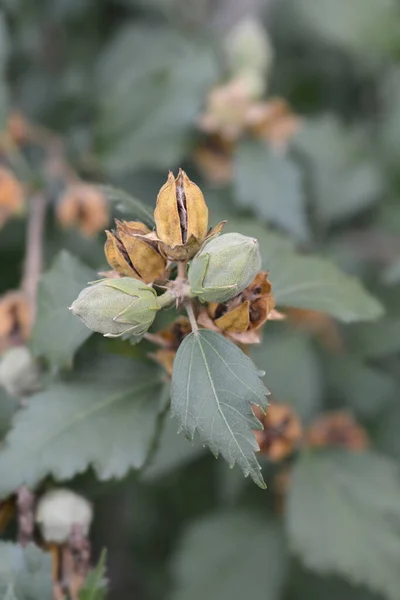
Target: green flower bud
(225, 266)
(115, 307)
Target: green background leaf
(287, 352)
(57, 334)
(103, 416)
(343, 517)
(231, 555)
(311, 282)
(270, 185)
(25, 573)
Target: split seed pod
(132, 254)
(181, 217)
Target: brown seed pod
(181, 217)
(130, 252)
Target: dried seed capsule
(132, 254)
(59, 511)
(181, 217)
(225, 266)
(241, 318)
(115, 307)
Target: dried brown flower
(213, 157)
(15, 319)
(232, 112)
(282, 433)
(85, 207)
(272, 121)
(338, 429)
(11, 195)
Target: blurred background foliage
(127, 86)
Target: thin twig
(34, 249)
(26, 519)
(191, 315)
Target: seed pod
(115, 307)
(181, 217)
(57, 513)
(132, 254)
(225, 266)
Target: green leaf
(291, 353)
(128, 204)
(377, 340)
(151, 95)
(57, 334)
(270, 185)
(25, 573)
(343, 517)
(173, 452)
(389, 128)
(361, 26)
(303, 281)
(366, 389)
(305, 585)
(8, 407)
(344, 178)
(103, 416)
(213, 386)
(315, 283)
(391, 275)
(387, 435)
(231, 555)
(95, 586)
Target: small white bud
(19, 372)
(58, 511)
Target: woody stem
(34, 248)
(191, 315)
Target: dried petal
(236, 320)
